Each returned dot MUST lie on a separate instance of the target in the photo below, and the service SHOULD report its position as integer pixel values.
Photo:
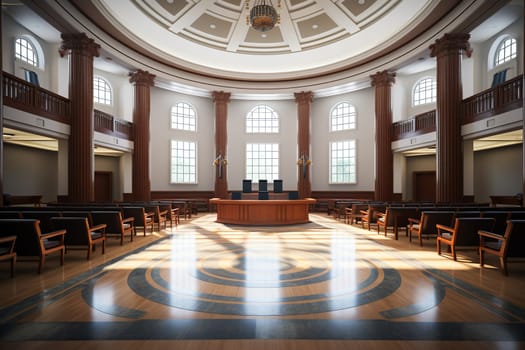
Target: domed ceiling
(209, 44)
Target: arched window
(102, 92)
(183, 117)
(26, 51)
(506, 51)
(343, 117)
(262, 119)
(425, 91)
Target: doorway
(103, 186)
(424, 186)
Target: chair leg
(41, 263)
(438, 245)
(481, 256)
(503, 264)
(13, 262)
(62, 253)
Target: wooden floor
(320, 285)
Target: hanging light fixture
(263, 16)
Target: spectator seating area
(496, 230)
(32, 233)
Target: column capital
(451, 43)
(221, 96)
(304, 96)
(384, 78)
(78, 42)
(141, 77)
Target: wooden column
(449, 151)
(141, 116)
(81, 51)
(221, 100)
(384, 184)
(1, 118)
(304, 100)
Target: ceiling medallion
(263, 16)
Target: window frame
(350, 115)
(268, 129)
(501, 46)
(174, 179)
(37, 55)
(275, 163)
(175, 115)
(433, 92)
(105, 91)
(352, 165)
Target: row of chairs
(38, 233)
(499, 231)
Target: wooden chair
(115, 224)
(463, 235)
(425, 226)
(172, 213)
(353, 214)
(7, 251)
(159, 216)
(80, 235)
(44, 216)
(30, 242)
(396, 217)
(370, 215)
(79, 214)
(509, 245)
(141, 217)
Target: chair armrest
(97, 227)
(53, 234)
(491, 235)
(128, 220)
(163, 213)
(413, 221)
(364, 212)
(150, 214)
(7, 239)
(444, 228)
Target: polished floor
(321, 285)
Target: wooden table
(262, 212)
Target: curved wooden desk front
(262, 212)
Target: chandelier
(263, 16)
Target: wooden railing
(420, 124)
(107, 124)
(30, 98)
(502, 98)
(489, 103)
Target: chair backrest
(236, 195)
(466, 230)
(112, 219)
(10, 215)
(138, 213)
(467, 214)
(77, 229)
(429, 220)
(517, 215)
(516, 238)
(501, 218)
(27, 233)
(398, 216)
(78, 214)
(44, 216)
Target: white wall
(364, 135)
(498, 172)
(30, 171)
(161, 135)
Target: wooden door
(103, 186)
(424, 187)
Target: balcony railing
(28, 97)
(107, 124)
(502, 98)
